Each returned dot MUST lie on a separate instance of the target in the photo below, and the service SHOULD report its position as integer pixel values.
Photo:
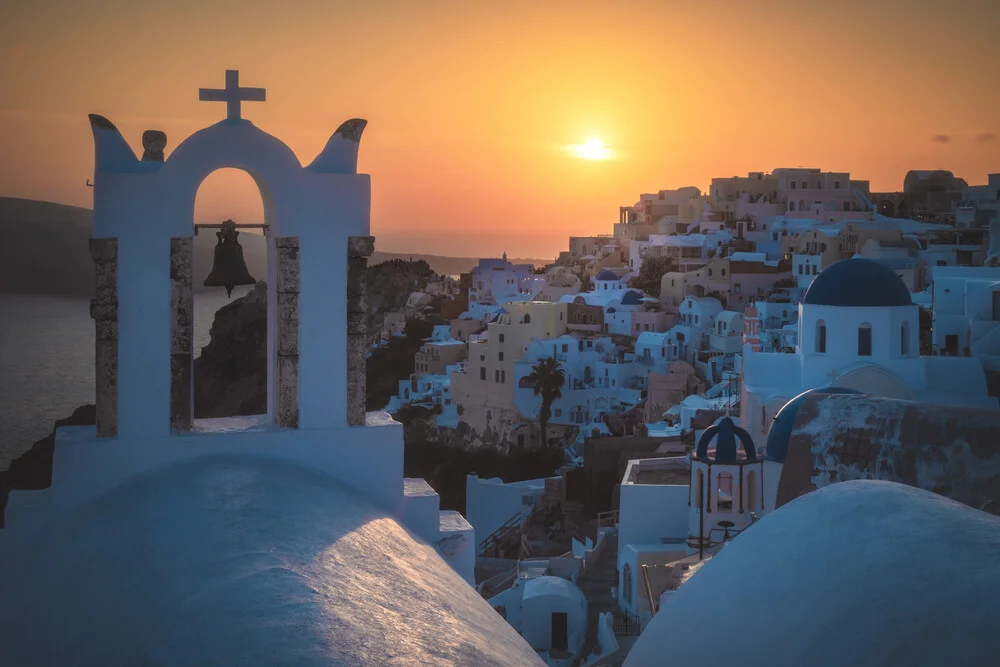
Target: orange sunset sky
(470, 104)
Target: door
(560, 640)
(951, 345)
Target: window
(565, 347)
(791, 207)
(724, 501)
(501, 356)
(696, 319)
(814, 269)
(800, 269)
(865, 340)
(482, 373)
(723, 272)
(752, 491)
(627, 584)
(560, 316)
(836, 185)
(736, 288)
(558, 412)
(821, 336)
(503, 377)
(804, 185)
(501, 338)
(527, 318)
(793, 185)
(904, 339)
(496, 377)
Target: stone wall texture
(104, 311)
(287, 399)
(181, 333)
(952, 451)
(359, 249)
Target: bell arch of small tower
(144, 228)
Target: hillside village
(680, 339)
(780, 396)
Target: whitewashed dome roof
(240, 561)
(861, 573)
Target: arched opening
(802, 204)
(724, 501)
(527, 318)
(791, 206)
(865, 340)
(904, 338)
(821, 336)
(230, 375)
(752, 491)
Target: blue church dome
(725, 434)
(780, 432)
(857, 282)
(607, 275)
(631, 298)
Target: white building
(498, 281)
(858, 328)
(550, 613)
(600, 380)
(966, 307)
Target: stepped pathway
(596, 585)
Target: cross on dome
(232, 94)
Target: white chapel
(287, 538)
(859, 329)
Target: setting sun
(592, 149)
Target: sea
(47, 361)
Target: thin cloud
(941, 138)
(985, 137)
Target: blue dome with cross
(725, 434)
(780, 433)
(857, 282)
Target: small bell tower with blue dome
(726, 485)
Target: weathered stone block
(180, 392)
(288, 270)
(357, 324)
(357, 350)
(287, 399)
(106, 330)
(103, 311)
(360, 246)
(182, 318)
(286, 242)
(106, 394)
(104, 250)
(181, 258)
(107, 280)
(357, 303)
(288, 323)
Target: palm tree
(547, 378)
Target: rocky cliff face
(230, 376)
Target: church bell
(228, 267)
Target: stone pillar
(359, 249)
(104, 310)
(181, 334)
(287, 400)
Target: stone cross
(232, 94)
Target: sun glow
(592, 149)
